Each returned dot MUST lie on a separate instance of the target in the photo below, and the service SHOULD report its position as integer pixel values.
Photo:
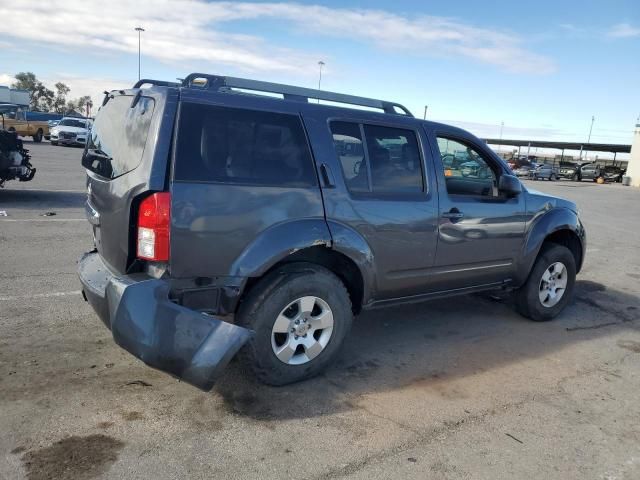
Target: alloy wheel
(553, 284)
(302, 330)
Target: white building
(633, 169)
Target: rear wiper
(98, 154)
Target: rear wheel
(38, 136)
(550, 284)
(301, 314)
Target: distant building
(12, 95)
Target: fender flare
(277, 242)
(353, 245)
(544, 225)
(284, 239)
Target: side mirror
(509, 185)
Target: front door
(380, 193)
(480, 230)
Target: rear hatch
(126, 158)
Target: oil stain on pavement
(73, 458)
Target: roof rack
(288, 92)
(158, 83)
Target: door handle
(453, 214)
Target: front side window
(387, 161)
(231, 145)
(466, 170)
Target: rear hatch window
(118, 136)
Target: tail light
(154, 219)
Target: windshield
(71, 122)
(118, 136)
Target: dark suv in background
(225, 220)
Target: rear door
(126, 157)
(376, 186)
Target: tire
(38, 136)
(269, 301)
(54, 143)
(528, 297)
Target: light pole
(139, 30)
(425, 111)
(593, 118)
(500, 143)
(320, 64)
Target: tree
(80, 104)
(41, 98)
(62, 91)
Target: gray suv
(229, 221)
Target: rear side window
(394, 158)
(347, 140)
(387, 161)
(230, 145)
(118, 136)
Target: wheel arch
(561, 226)
(333, 246)
(338, 263)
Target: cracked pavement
(459, 388)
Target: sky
(543, 68)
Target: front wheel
(54, 143)
(301, 314)
(550, 284)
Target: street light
(139, 30)
(593, 118)
(320, 64)
(425, 111)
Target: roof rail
(158, 83)
(288, 92)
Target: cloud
(623, 30)
(6, 79)
(184, 31)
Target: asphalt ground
(456, 388)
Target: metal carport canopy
(591, 147)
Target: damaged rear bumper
(185, 343)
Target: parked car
(15, 119)
(71, 131)
(544, 171)
(589, 171)
(523, 171)
(261, 225)
(612, 174)
(51, 123)
(569, 171)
